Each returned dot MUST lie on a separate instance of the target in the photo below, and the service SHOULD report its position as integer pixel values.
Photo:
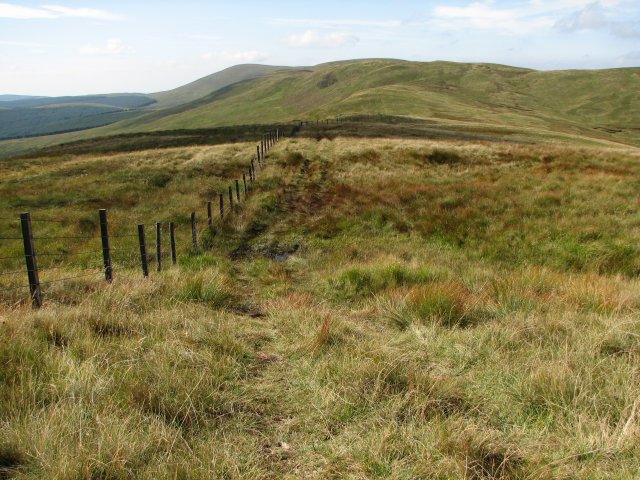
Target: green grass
(596, 106)
(377, 308)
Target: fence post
(253, 171)
(244, 180)
(238, 191)
(230, 199)
(30, 257)
(159, 246)
(106, 247)
(194, 231)
(258, 154)
(209, 215)
(172, 235)
(143, 250)
(221, 207)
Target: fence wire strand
(126, 255)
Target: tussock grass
(368, 313)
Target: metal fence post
(194, 230)
(106, 247)
(30, 257)
(144, 261)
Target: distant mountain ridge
(13, 98)
(596, 105)
(30, 116)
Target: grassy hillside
(596, 106)
(377, 308)
(206, 85)
(26, 122)
(35, 116)
(590, 103)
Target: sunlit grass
(376, 309)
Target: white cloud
(595, 17)
(483, 16)
(312, 39)
(590, 17)
(114, 46)
(10, 10)
(248, 56)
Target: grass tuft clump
(205, 288)
(449, 304)
(362, 282)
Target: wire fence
(100, 257)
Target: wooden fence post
(230, 199)
(194, 231)
(209, 215)
(258, 154)
(221, 207)
(159, 246)
(253, 171)
(244, 180)
(106, 247)
(143, 250)
(238, 191)
(261, 151)
(32, 262)
(172, 234)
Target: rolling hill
(206, 85)
(584, 105)
(24, 116)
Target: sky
(69, 47)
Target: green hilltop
(593, 105)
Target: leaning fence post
(209, 215)
(172, 235)
(244, 180)
(143, 250)
(159, 246)
(194, 231)
(238, 191)
(230, 199)
(30, 257)
(221, 207)
(106, 247)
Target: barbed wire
(129, 260)
(14, 272)
(70, 278)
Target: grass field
(378, 308)
(590, 105)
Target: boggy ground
(376, 309)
